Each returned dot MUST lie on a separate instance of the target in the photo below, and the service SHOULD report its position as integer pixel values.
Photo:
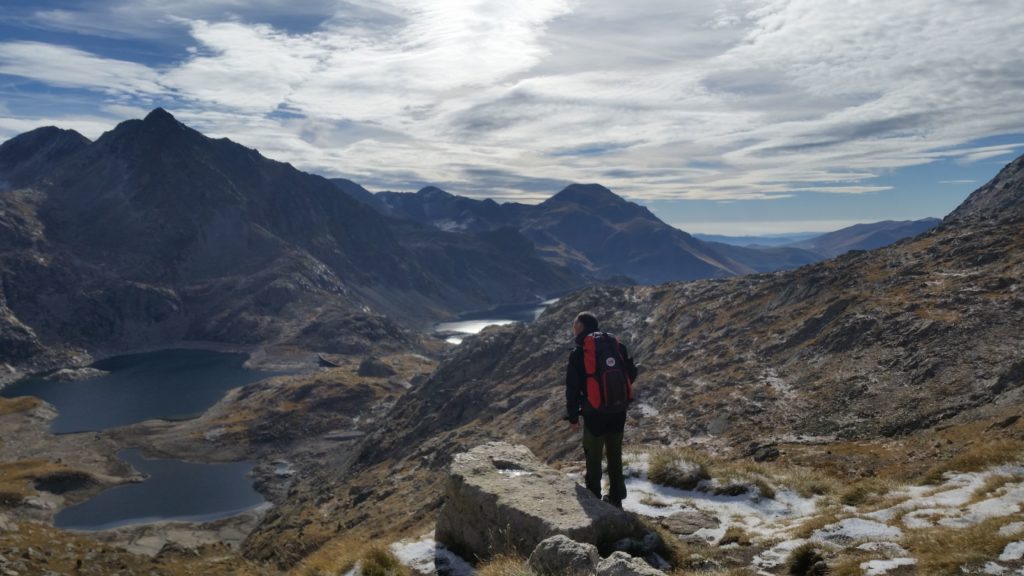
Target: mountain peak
(159, 115)
(433, 191)
(586, 194)
(32, 153)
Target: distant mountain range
(596, 232)
(591, 230)
(155, 234)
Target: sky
(727, 117)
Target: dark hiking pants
(593, 448)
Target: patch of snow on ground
(855, 529)
(647, 410)
(425, 556)
(993, 568)
(757, 514)
(948, 503)
(876, 567)
(1013, 551)
(889, 549)
(1012, 529)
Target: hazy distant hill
(594, 231)
(865, 236)
(758, 241)
(155, 233)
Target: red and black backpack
(609, 389)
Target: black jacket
(597, 423)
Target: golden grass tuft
(735, 535)
(805, 560)
(866, 491)
(993, 484)
(379, 560)
(976, 457)
(505, 565)
(667, 466)
(944, 550)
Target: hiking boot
(613, 501)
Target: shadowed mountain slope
(155, 233)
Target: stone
(500, 498)
(562, 555)
(5, 524)
(622, 564)
(372, 367)
(687, 522)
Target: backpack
(609, 389)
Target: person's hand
(574, 426)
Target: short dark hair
(589, 322)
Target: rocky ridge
(155, 234)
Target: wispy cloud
(725, 100)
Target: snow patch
(854, 529)
(425, 556)
(1013, 551)
(876, 567)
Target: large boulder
(501, 498)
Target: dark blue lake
(173, 490)
(168, 384)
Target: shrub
(806, 560)
(671, 467)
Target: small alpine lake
(173, 490)
(166, 384)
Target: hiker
(598, 384)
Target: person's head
(585, 323)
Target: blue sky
(727, 116)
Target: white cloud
(71, 68)
(724, 100)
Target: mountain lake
(172, 490)
(473, 322)
(167, 384)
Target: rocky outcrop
(563, 555)
(501, 498)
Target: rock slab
(622, 564)
(500, 498)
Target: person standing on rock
(599, 386)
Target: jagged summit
(159, 115)
(1001, 197)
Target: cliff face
(155, 233)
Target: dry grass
(677, 467)
(809, 526)
(19, 404)
(943, 550)
(735, 535)
(16, 478)
(805, 560)
(336, 556)
(866, 491)
(505, 565)
(993, 485)
(379, 560)
(976, 457)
